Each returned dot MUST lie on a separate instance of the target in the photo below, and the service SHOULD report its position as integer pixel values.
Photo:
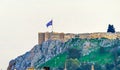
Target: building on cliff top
(44, 36)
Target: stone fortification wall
(44, 36)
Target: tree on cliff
(111, 29)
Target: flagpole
(52, 25)
(52, 29)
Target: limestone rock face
(39, 53)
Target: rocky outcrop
(41, 53)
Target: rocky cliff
(47, 51)
(42, 52)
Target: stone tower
(41, 37)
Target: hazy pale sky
(21, 20)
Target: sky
(21, 20)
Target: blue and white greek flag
(49, 23)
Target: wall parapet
(44, 36)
